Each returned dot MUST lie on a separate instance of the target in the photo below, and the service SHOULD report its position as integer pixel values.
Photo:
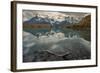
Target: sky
(28, 14)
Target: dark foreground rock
(68, 49)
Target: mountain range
(46, 20)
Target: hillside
(84, 23)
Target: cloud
(28, 14)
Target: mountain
(37, 20)
(84, 23)
(52, 21)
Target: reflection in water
(53, 46)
